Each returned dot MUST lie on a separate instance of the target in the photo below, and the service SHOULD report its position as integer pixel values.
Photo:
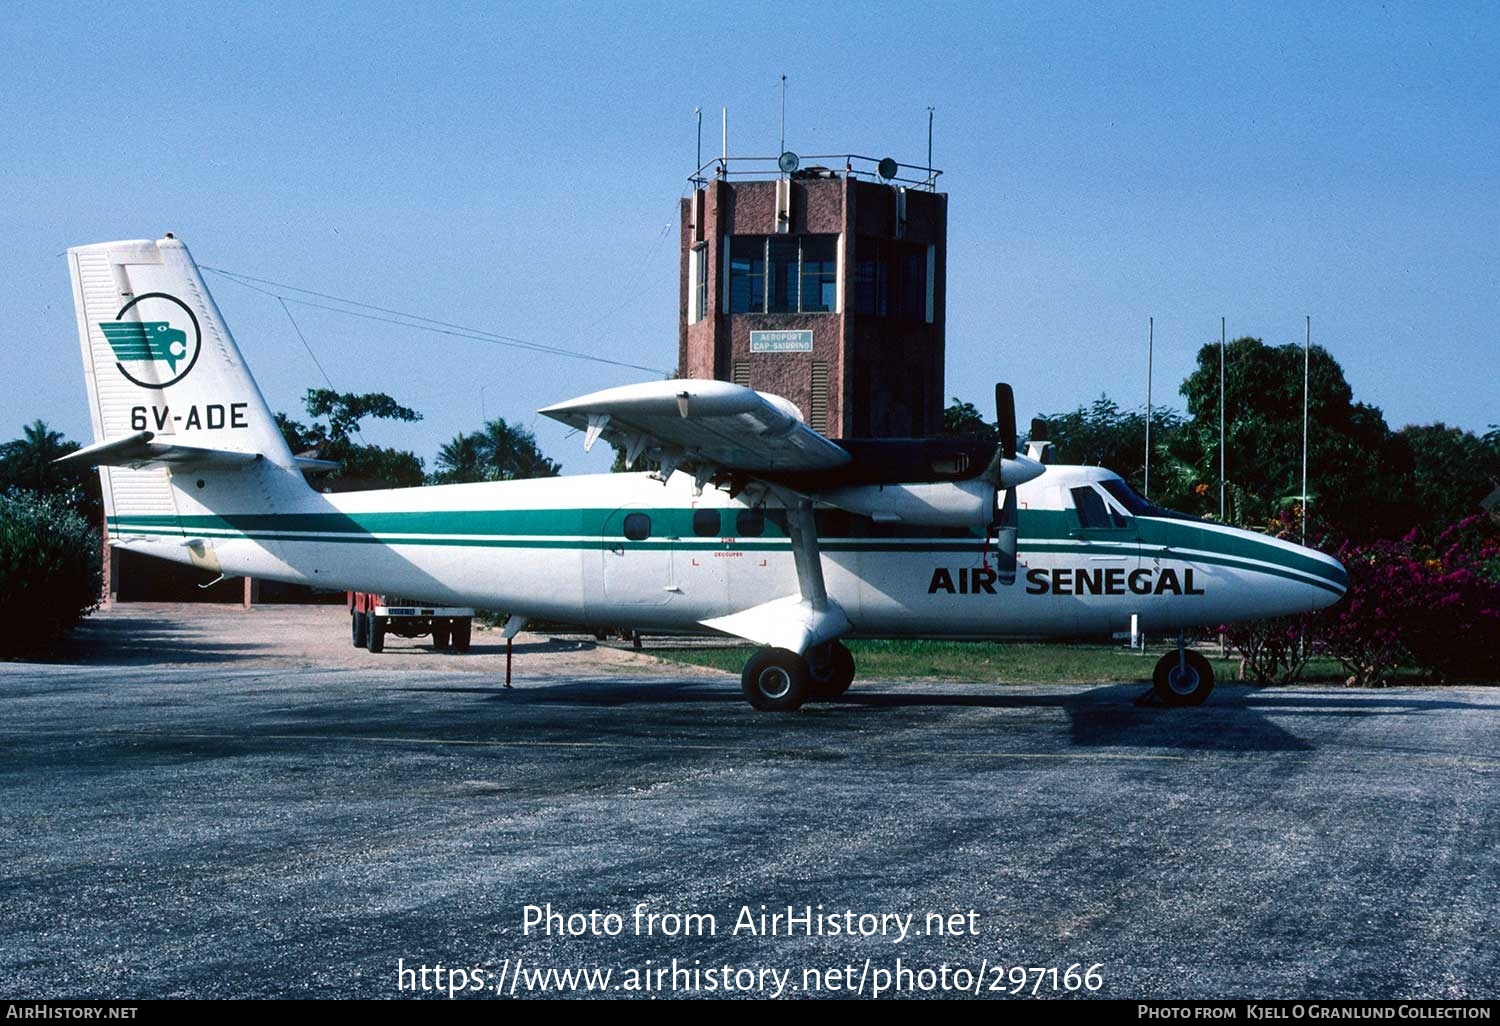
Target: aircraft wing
(698, 423)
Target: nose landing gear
(1183, 677)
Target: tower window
(783, 273)
(747, 273)
(819, 273)
(891, 279)
(698, 258)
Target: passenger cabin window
(706, 523)
(749, 523)
(637, 526)
(1093, 512)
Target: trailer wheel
(377, 634)
(462, 626)
(440, 635)
(359, 628)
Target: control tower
(821, 279)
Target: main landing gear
(1183, 677)
(779, 680)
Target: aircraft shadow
(1101, 717)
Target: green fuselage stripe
(1042, 531)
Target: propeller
(1005, 419)
(1006, 472)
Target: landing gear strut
(1183, 677)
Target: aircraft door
(1112, 550)
(637, 558)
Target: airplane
(751, 524)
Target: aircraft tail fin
(169, 393)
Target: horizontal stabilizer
(312, 465)
(791, 623)
(139, 452)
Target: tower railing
(811, 166)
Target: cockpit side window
(1092, 512)
(1126, 497)
(1138, 506)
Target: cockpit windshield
(1136, 505)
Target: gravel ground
(201, 801)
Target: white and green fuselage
(557, 549)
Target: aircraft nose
(1333, 579)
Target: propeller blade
(1005, 539)
(1005, 417)
(1038, 429)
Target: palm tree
(511, 452)
(29, 459)
(461, 460)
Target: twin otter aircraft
(755, 525)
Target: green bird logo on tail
(146, 340)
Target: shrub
(50, 569)
(1458, 634)
(1436, 607)
(1273, 651)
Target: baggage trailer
(373, 616)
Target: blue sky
(517, 168)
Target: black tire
(830, 671)
(376, 634)
(775, 680)
(463, 628)
(440, 635)
(1176, 686)
(357, 622)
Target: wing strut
(807, 554)
(795, 622)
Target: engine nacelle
(968, 504)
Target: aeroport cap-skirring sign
(781, 341)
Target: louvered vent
(818, 413)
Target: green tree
(361, 464)
(1101, 434)
(29, 463)
(345, 410)
(50, 569)
(1359, 473)
(963, 420)
(1452, 470)
(499, 451)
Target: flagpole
(1221, 420)
(1150, 341)
(1306, 364)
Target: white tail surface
(160, 365)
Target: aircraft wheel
(1179, 685)
(830, 670)
(357, 621)
(375, 636)
(775, 680)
